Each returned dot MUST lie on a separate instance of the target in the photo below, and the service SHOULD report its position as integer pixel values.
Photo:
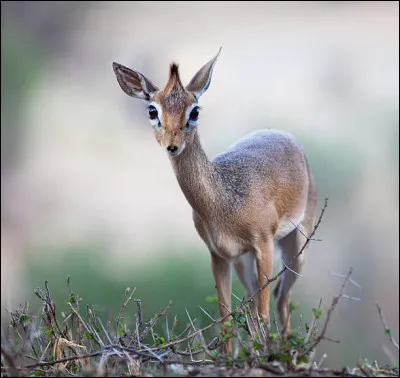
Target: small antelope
(244, 200)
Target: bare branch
(154, 320)
(139, 315)
(125, 301)
(301, 232)
(202, 309)
(387, 329)
(344, 276)
(334, 303)
(351, 298)
(297, 274)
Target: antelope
(246, 200)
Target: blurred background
(86, 191)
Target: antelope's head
(174, 110)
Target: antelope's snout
(173, 136)
(174, 149)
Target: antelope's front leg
(265, 268)
(222, 276)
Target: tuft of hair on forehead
(174, 69)
(174, 79)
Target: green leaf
(388, 332)
(212, 299)
(25, 319)
(160, 341)
(302, 360)
(243, 353)
(89, 336)
(273, 336)
(214, 353)
(228, 324)
(241, 319)
(317, 313)
(256, 345)
(284, 357)
(73, 298)
(307, 327)
(228, 335)
(293, 306)
(273, 356)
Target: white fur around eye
(188, 111)
(157, 121)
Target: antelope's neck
(197, 178)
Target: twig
(10, 359)
(334, 303)
(387, 329)
(202, 341)
(331, 340)
(66, 359)
(125, 301)
(301, 232)
(277, 327)
(363, 370)
(344, 276)
(139, 315)
(167, 328)
(154, 320)
(105, 331)
(351, 298)
(236, 297)
(313, 231)
(271, 369)
(87, 327)
(89, 355)
(45, 350)
(312, 325)
(202, 309)
(297, 274)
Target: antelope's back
(264, 166)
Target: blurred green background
(87, 192)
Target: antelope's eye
(153, 113)
(194, 114)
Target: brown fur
(243, 200)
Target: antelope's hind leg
(290, 245)
(245, 268)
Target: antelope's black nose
(172, 149)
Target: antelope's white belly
(228, 246)
(287, 225)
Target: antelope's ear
(201, 81)
(133, 83)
